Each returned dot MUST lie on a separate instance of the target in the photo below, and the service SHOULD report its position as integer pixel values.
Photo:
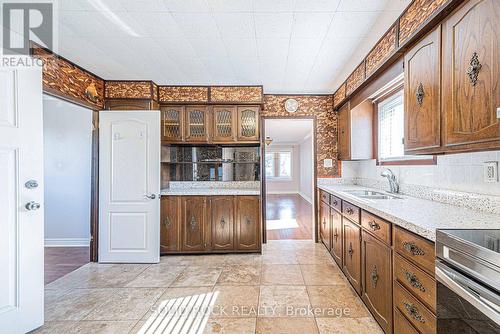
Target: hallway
(288, 216)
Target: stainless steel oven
(468, 281)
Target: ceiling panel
(288, 46)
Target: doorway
(289, 178)
(67, 154)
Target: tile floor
(293, 287)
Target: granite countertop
(420, 216)
(210, 191)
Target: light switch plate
(328, 163)
(490, 171)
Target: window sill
(279, 179)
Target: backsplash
(456, 179)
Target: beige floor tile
(286, 326)
(336, 301)
(137, 327)
(278, 274)
(366, 325)
(235, 301)
(103, 327)
(322, 274)
(76, 304)
(126, 304)
(230, 326)
(240, 275)
(279, 257)
(157, 275)
(50, 296)
(178, 260)
(197, 276)
(284, 301)
(243, 259)
(55, 327)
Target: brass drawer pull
(222, 222)
(193, 223)
(474, 68)
(350, 250)
(167, 222)
(374, 276)
(412, 248)
(248, 221)
(349, 211)
(413, 280)
(335, 235)
(374, 226)
(413, 312)
(335, 203)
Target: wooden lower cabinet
(194, 223)
(247, 223)
(324, 227)
(222, 208)
(336, 225)
(205, 224)
(401, 325)
(377, 280)
(170, 232)
(352, 253)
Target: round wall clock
(291, 105)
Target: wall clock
(291, 105)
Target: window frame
(275, 153)
(375, 140)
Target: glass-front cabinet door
(224, 124)
(248, 123)
(172, 119)
(196, 124)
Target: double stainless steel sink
(370, 194)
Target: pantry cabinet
(471, 76)
(210, 224)
(423, 95)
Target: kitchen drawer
(415, 280)
(376, 226)
(401, 325)
(414, 311)
(351, 211)
(415, 249)
(325, 197)
(336, 203)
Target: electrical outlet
(491, 171)
(328, 163)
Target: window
(279, 165)
(390, 129)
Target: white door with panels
(129, 186)
(21, 200)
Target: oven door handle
(481, 298)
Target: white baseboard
(304, 196)
(67, 242)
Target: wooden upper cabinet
(248, 123)
(172, 123)
(471, 76)
(344, 133)
(324, 227)
(336, 225)
(222, 208)
(170, 240)
(352, 253)
(377, 280)
(422, 95)
(247, 223)
(224, 124)
(194, 212)
(196, 124)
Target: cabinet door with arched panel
(248, 123)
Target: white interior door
(21, 203)
(129, 186)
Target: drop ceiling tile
(209, 48)
(143, 5)
(197, 25)
(343, 24)
(199, 6)
(70, 5)
(155, 24)
(176, 48)
(311, 25)
(241, 48)
(275, 48)
(361, 5)
(274, 5)
(231, 6)
(92, 22)
(273, 25)
(235, 25)
(316, 5)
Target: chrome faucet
(393, 183)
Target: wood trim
(263, 177)
(94, 196)
(315, 177)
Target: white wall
(67, 163)
(458, 172)
(306, 168)
(288, 186)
